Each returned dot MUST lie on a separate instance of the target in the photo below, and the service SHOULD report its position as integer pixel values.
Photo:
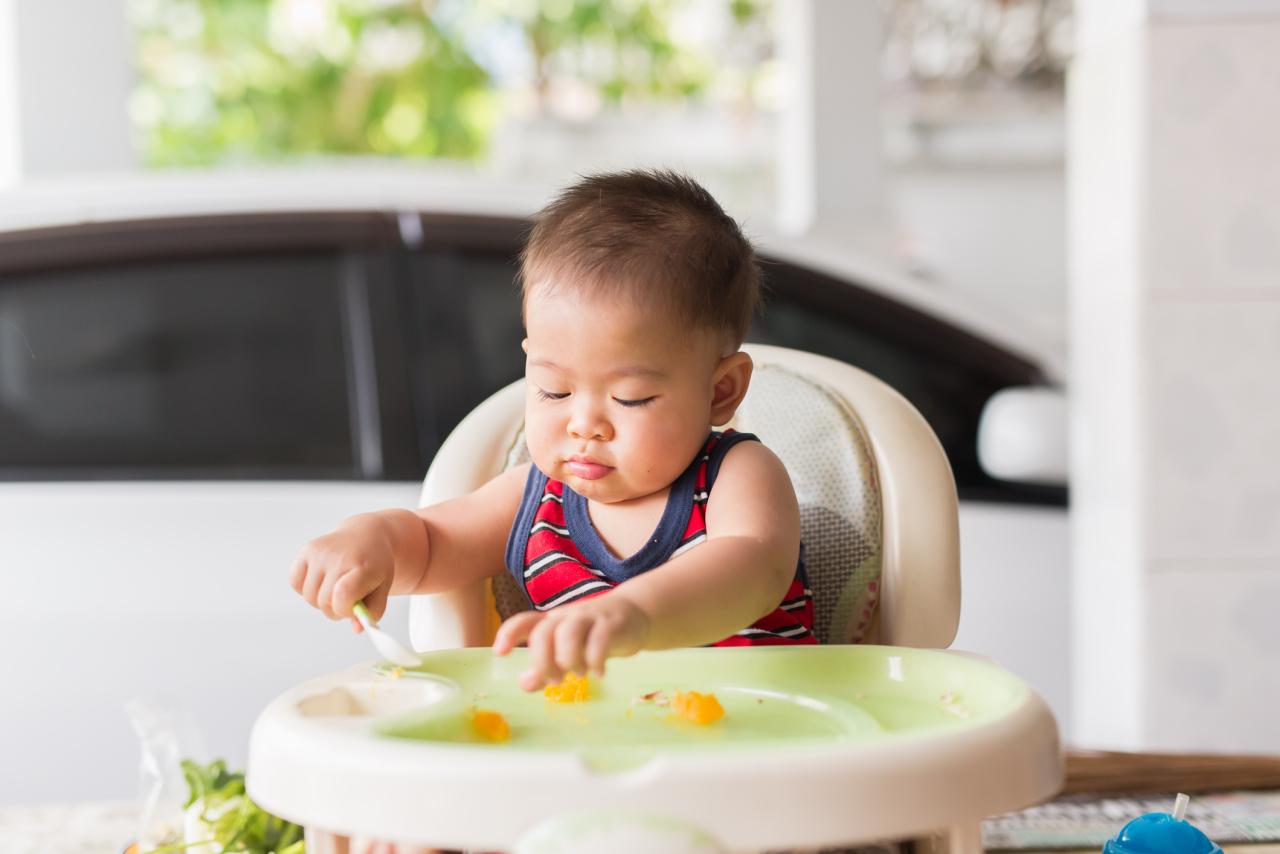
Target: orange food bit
(572, 689)
(699, 708)
(490, 726)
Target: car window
(464, 331)
(209, 366)
(945, 372)
(462, 320)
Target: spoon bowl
(391, 649)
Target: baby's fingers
(570, 644)
(542, 663)
(359, 583)
(597, 646)
(515, 631)
(298, 574)
(311, 586)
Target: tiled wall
(1176, 230)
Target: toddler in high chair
(637, 293)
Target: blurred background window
(977, 44)
(223, 81)
(242, 80)
(542, 90)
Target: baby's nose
(590, 424)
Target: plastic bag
(168, 734)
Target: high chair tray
(818, 746)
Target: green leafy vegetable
(238, 824)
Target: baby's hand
(576, 638)
(354, 562)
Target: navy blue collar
(657, 549)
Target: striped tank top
(556, 555)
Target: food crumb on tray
(701, 709)
(489, 725)
(572, 689)
(658, 698)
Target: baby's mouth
(587, 468)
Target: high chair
(934, 741)
(877, 503)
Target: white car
(200, 373)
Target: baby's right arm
(437, 548)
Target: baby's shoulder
(751, 492)
(748, 461)
(747, 457)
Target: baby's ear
(524, 345)
(732, 378)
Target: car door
(183, 403)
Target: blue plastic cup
(1161, 833)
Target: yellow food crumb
(490, 726)
(396, 672)
(573, 689)
(699, 708)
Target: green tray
(772, 697)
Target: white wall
(65, 80)
(10, 143)
(1175, 214)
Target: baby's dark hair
(655, 238)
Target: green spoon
(391, 649)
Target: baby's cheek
(541, 449)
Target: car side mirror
(1022, 435)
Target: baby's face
(618, 401)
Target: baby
(637, 526)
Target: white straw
(1180, 806)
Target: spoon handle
(363, 615)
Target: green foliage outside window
(253, 80)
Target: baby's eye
(643, 402)
(552, 395)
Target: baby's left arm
(738, 575)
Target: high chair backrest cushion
(819, 439)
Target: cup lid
(1160, 833)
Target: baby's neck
(625, 526)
